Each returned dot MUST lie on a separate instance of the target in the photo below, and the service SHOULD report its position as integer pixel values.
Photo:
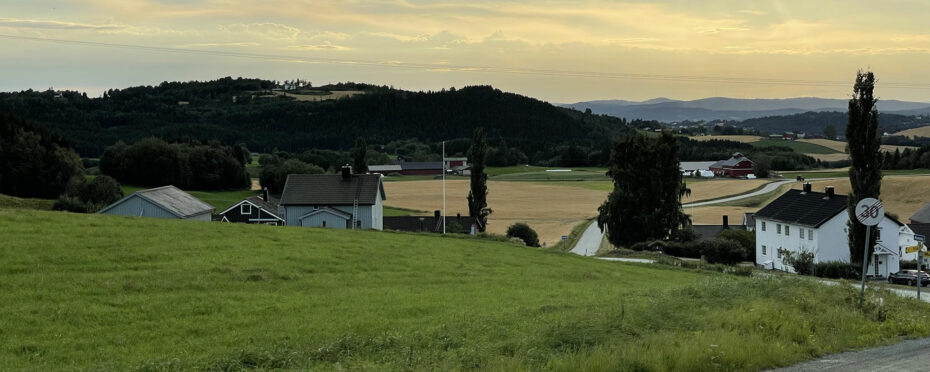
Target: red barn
(736, 166)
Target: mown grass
(100, 292)
(845, 173)
(395, 211)
(7, 201)
(797, 146)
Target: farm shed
(161, 202)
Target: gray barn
(161, 202)
(341, 201)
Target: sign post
(920, 242)
(869, 212)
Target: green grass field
(97, 292)
(7, 201)
(800, 147)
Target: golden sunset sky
(560, 51)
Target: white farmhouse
(340, 201)
(806, 221)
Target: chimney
(807, 187)
(458, 216)
(265, 194)
(829, 191)
(726, 222)
(437, 214)
(346, 172)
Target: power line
(467, 68)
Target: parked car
(909, 277)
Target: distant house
(696, 168)
(736, 166)
(408, 168)
(341, 201)
(161, 202)
(260, 209)
(707, 232)
(814, 222)
(457, 224)
(385, 169)
(455, 162)
(789, 136)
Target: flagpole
(443, 187)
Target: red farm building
(736, 166)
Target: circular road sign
(870, 211)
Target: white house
(341, 201)
(807, 221)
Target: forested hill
(247, 111)
(815, 122)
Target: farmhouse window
(245, 208)
(763, 250)
(778, 228)
(802, 233)
(787, 232)
(810, 234)
(763, 225)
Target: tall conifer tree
(478, 195)
(865, 173)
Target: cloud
(266, 30)
(325, 46)
(58, 25)
(210, 45)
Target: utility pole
(444, 187)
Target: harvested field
(551, 209)
(829, 157)
(841, 146)
(719, 188)
(920, 132)
(901, 195)
(321, 97)
(744, 139)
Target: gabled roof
(808, 209)
(734, 160)
(332, 189)
(419, 165)
(258, 202)
(384, 168)
(922, 215)
(172, 199)
(920, 228)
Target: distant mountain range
(722, 108)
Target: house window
(810, 234)
(802, 233)
(245, 208)
(763, 250)
(787, 232)
(778, 228)
(763, 225)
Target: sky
(558, 51)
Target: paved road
(621, 259)
(913, 355)
(590, 241)
(769, 187)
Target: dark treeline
(245, 110)
(916, 141)
(907, 159)
(188, 165)
(766, 158)
(34, 163)
(816, 122)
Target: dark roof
(808, 209)
(922, 215)
(708, 232)
(331, 189)
(172, 199)
(920, 228)
(427, 223)
(419, 165)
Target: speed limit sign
(870, 211)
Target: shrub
(746, 239)
(525, 232)
(910, 265)
(689, 250)
(274, 175)
(638, 246)
(801, 262)
(723, 251)
(836, 270)
(85, 196)
(686, 234)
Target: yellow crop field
(550, 209)
(901, 195)
(745, 139)
(921, 132)
(829, 157)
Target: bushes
(836, 270)
(801, 262)
(688, 250)
(85, 196)
(746, 239)
(723, 251)
(524, 232)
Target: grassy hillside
(94, 292)
(7, 201)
